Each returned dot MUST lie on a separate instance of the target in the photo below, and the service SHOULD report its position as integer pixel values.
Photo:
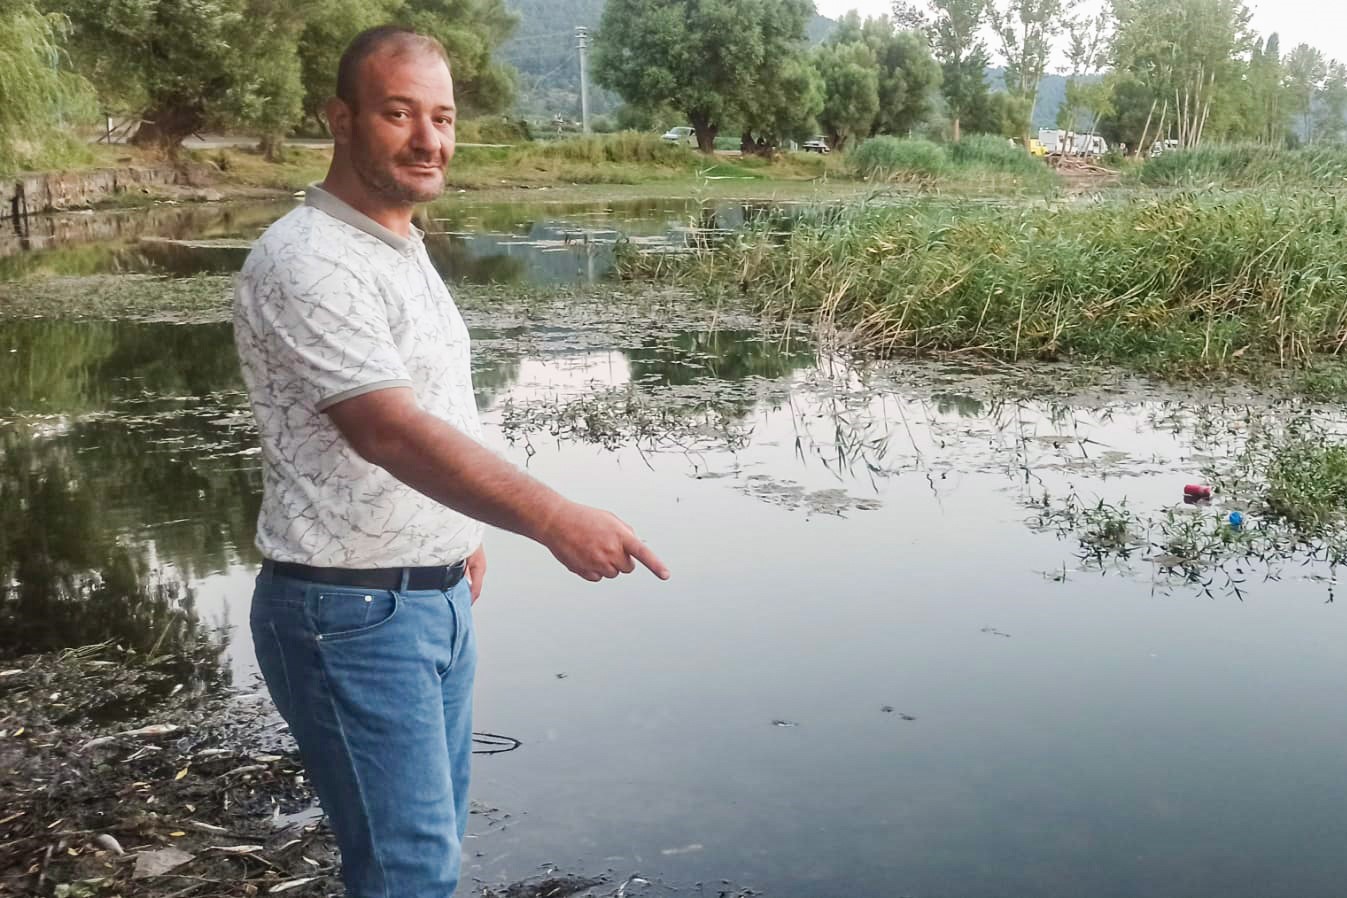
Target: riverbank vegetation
(991, 160)
(934, 69)
(1250, 165)
(1182, 281)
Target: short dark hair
(398, 38)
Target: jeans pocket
(348, 613)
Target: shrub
(992, 153)
(882, 158)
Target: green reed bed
(1179, 280)
(624, 146)
(979, 157)
(1249, 165)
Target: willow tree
(953, 28)
(1089, 84)
(176, 65)
(709, 59)
(37, 89)
(908, 75)
(1190, 56)
(1027, 31)
(850, 77)
(1305, 71)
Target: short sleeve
(328, 328)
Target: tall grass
(996, 154)
(1307, 483)
(1249, 165)
(1176, 280)
(887, 158)
(630, 147)
(493, 129)
(975, 157)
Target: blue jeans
(377, 689)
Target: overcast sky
(1320, 23)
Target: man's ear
(339, 116)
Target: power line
(538, 37)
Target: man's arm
(387, 428)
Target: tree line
(1138, 72)
(1142, 70)
(178, 67)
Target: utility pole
(582, 44)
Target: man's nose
(424, 135)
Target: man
(357, 365)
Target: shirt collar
(339, 209)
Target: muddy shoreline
(131, 776)
(147, 777)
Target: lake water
(878, 669)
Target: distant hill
(543, 51)
(819, 29)
(1051, 96)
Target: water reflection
(130, 467)
(475, 243)
(69, 580)
(958, 404)
(859, 545)
(68, 368)
(108, 242)
(716, 355)
(127, 475)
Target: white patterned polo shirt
(331, 305)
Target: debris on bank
(203, 797)
(134, 776)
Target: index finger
(641, 552)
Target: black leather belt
(439, 576)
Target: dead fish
(236, 849)
(108, 843)
(154, 729)
(247, 768)
(292, 884)
(213, 752)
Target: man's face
(401, 133)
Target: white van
(682, 134)
(1060, 142)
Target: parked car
(682, 134)
(817, 145)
